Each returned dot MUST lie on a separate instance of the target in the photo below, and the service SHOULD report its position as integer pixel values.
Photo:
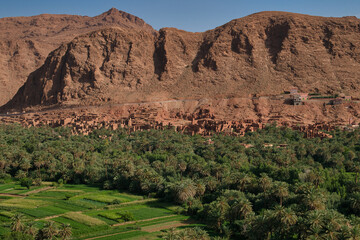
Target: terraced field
(91, 212)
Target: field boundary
(36, 191)
(12, 195)
(109, 235)
(144, 220)
(162, 226)
(132, 202)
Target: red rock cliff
(264, 53)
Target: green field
(90, 211)
(14, 188)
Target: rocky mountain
(25, 42)
(264, 53)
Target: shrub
(26, 182)
(5, 177)
(68, 196)
(126, 216)
(60, 182)
(115, 201)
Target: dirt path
(25, 194)
(145, 220)
(36, 191)
(55, 216)
(109, 235)
(11, 195)
(159, 227)
(48, 218)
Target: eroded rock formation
(25, 42)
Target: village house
(298, 98)
(336, 101)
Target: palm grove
(282, 187)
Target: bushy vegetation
(295, 188)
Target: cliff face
(268, 52)
(25, 42)
(264, 53)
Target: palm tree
(355, 233)
(39, 162)
(316, 233)
(284, 219)
(182, 235)
(315, 178)
(315, 220)
(218, 238)
(65, 232)
(196, 233)
(355, 202)
(182, 167)
(335, 220)
(241, 209)
(16, 223)
(331, 233)
(243, 182)
(25, 165)
(265, 182)
(185, 190)
(49, 230)
(170, 234)
(200, 189)
(218, 211)
(281, 192)
(356, 170)
(314, 200)
(31, 229)
(289, 218)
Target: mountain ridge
(264, 53)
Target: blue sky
(190, 15)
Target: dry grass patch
(65, 190)
(22, 203)
(7, 214)
(84, 219)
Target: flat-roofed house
(296, 99)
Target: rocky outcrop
(25, 42)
